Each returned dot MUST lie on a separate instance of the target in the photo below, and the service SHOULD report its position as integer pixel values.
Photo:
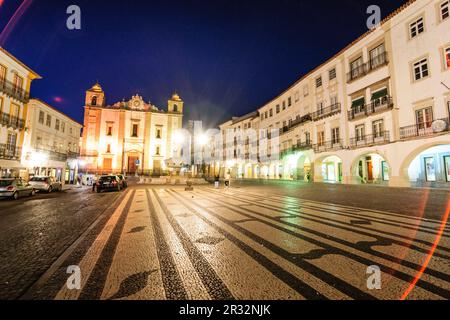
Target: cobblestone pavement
(35, 231)
(249, 243)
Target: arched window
(175, 108)
(94, 101)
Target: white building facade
(376, 112)
(15, 83)
(51, 143)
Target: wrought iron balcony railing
(11, 122)
(366, 68)
(51, 154)
(425, 128)
(375, 106)
(370, 140)
(13, 91)
(10, 152)
(328, 146)
(300, 146)
(73, 155)
(326, 112)
(295, 123)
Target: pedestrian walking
(216, 182)
(227, 180)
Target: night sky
(224, 57)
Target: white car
(47, 184)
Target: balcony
(13, 91)
(328, 146)
(295, 123)
(374, 63)
(370, 140)
(10, 152)
(326, 112)
(425, 129)
(300, 146)
(375, 106)
(51, 154)
(11, 122)
(73, 155)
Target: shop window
(430, 169)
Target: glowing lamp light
(178, 137)
(202, 139)
(38, 158)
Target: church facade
(133, 137)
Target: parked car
(47, 184)
(15, 188)
(105, 183)
(123, 180)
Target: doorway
(132, 164)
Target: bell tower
(95, 97)
(175, 104)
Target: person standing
(227, 180)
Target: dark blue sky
(224, 57)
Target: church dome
(96, 87)
(176, 97)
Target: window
(38, 142)
(356, 68)
(41, 117)
(108, 149)
(377, 57)
(307, 138)
(17, 83)
(109, 130)
(70, 130)
(278, 108)
(378, 128)
(266, 114)
(134, 132)
(284, 105)
(49, 121)
(14, 110)
(332, 74)
(321, 138)
(447, 57)
(318, 82)
(158, 133)
(320, 108)
(289, 101)
(158, 150)
(175, 108)
(424, 118)
(334, 102)
(3, 71)
(12, 139)
(421, 69)
(57, 124)
(335, 135)
(94, 101)
(416, 28)
(359, 132)
(445, 10)
(63, 126)
(271, 112)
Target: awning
(358, 102)
(380, 94)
